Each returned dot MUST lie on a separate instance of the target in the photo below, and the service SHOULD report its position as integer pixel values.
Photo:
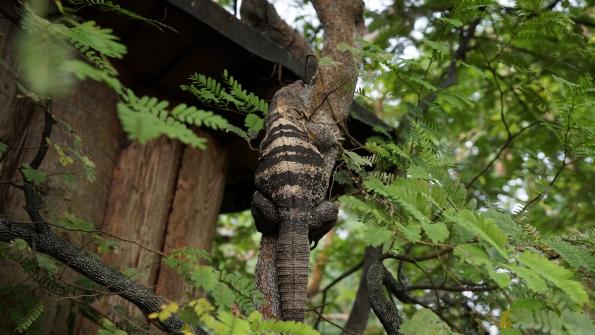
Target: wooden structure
(163, 195)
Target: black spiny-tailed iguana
(296, 160)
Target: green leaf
(437, 232)
(283, 327)
(534, 282)
(83, 71)
(143, 120)
(356, 162)
(20, 244)
(556, 275)
(32, 175)
(233, 325)
(42, 52)
(3, 148)
(89, 35)
(440, 47)
(411, 231)
(475, 69)
(485, 229)
(472, 254)
(452, 22)
(502, 279)
(575, 256)
(418, 172)
(375, 235)
(108, 328)
(223, 295)
(205, 277)
(26, 313)
(425, 322)
(422, 82)
(578, 323)
(254, 123)
(47, 263)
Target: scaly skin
(291, 181)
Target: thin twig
(110, 235)
(333, 283)
(503, 147)
(320, 316)
(450, 288)
(410, 259)
(47, 131)
(565, 163)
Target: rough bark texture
(195, 209)
(266, 277)
(360, 312)
(385, 309)
(139, 203)
(262, 16)
(298, 154)
(334, 86)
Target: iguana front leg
(324, 218)
(265, 213)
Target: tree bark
(266, 277)
(385, 309)
(262, 16)
(360, 312)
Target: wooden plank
(15, 113)
(138, 209)
(195, 209)
(90, 114)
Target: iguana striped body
(296, 161)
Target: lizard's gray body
(295, 163)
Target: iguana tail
(293, 251)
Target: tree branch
(451, 289)
(451, 71)
(503, 147)
(410, 259)
(358, 317)
(91, 267)
(47, 131)
(344, 275)
(400, 292)
(385, 309)
(565, 163)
